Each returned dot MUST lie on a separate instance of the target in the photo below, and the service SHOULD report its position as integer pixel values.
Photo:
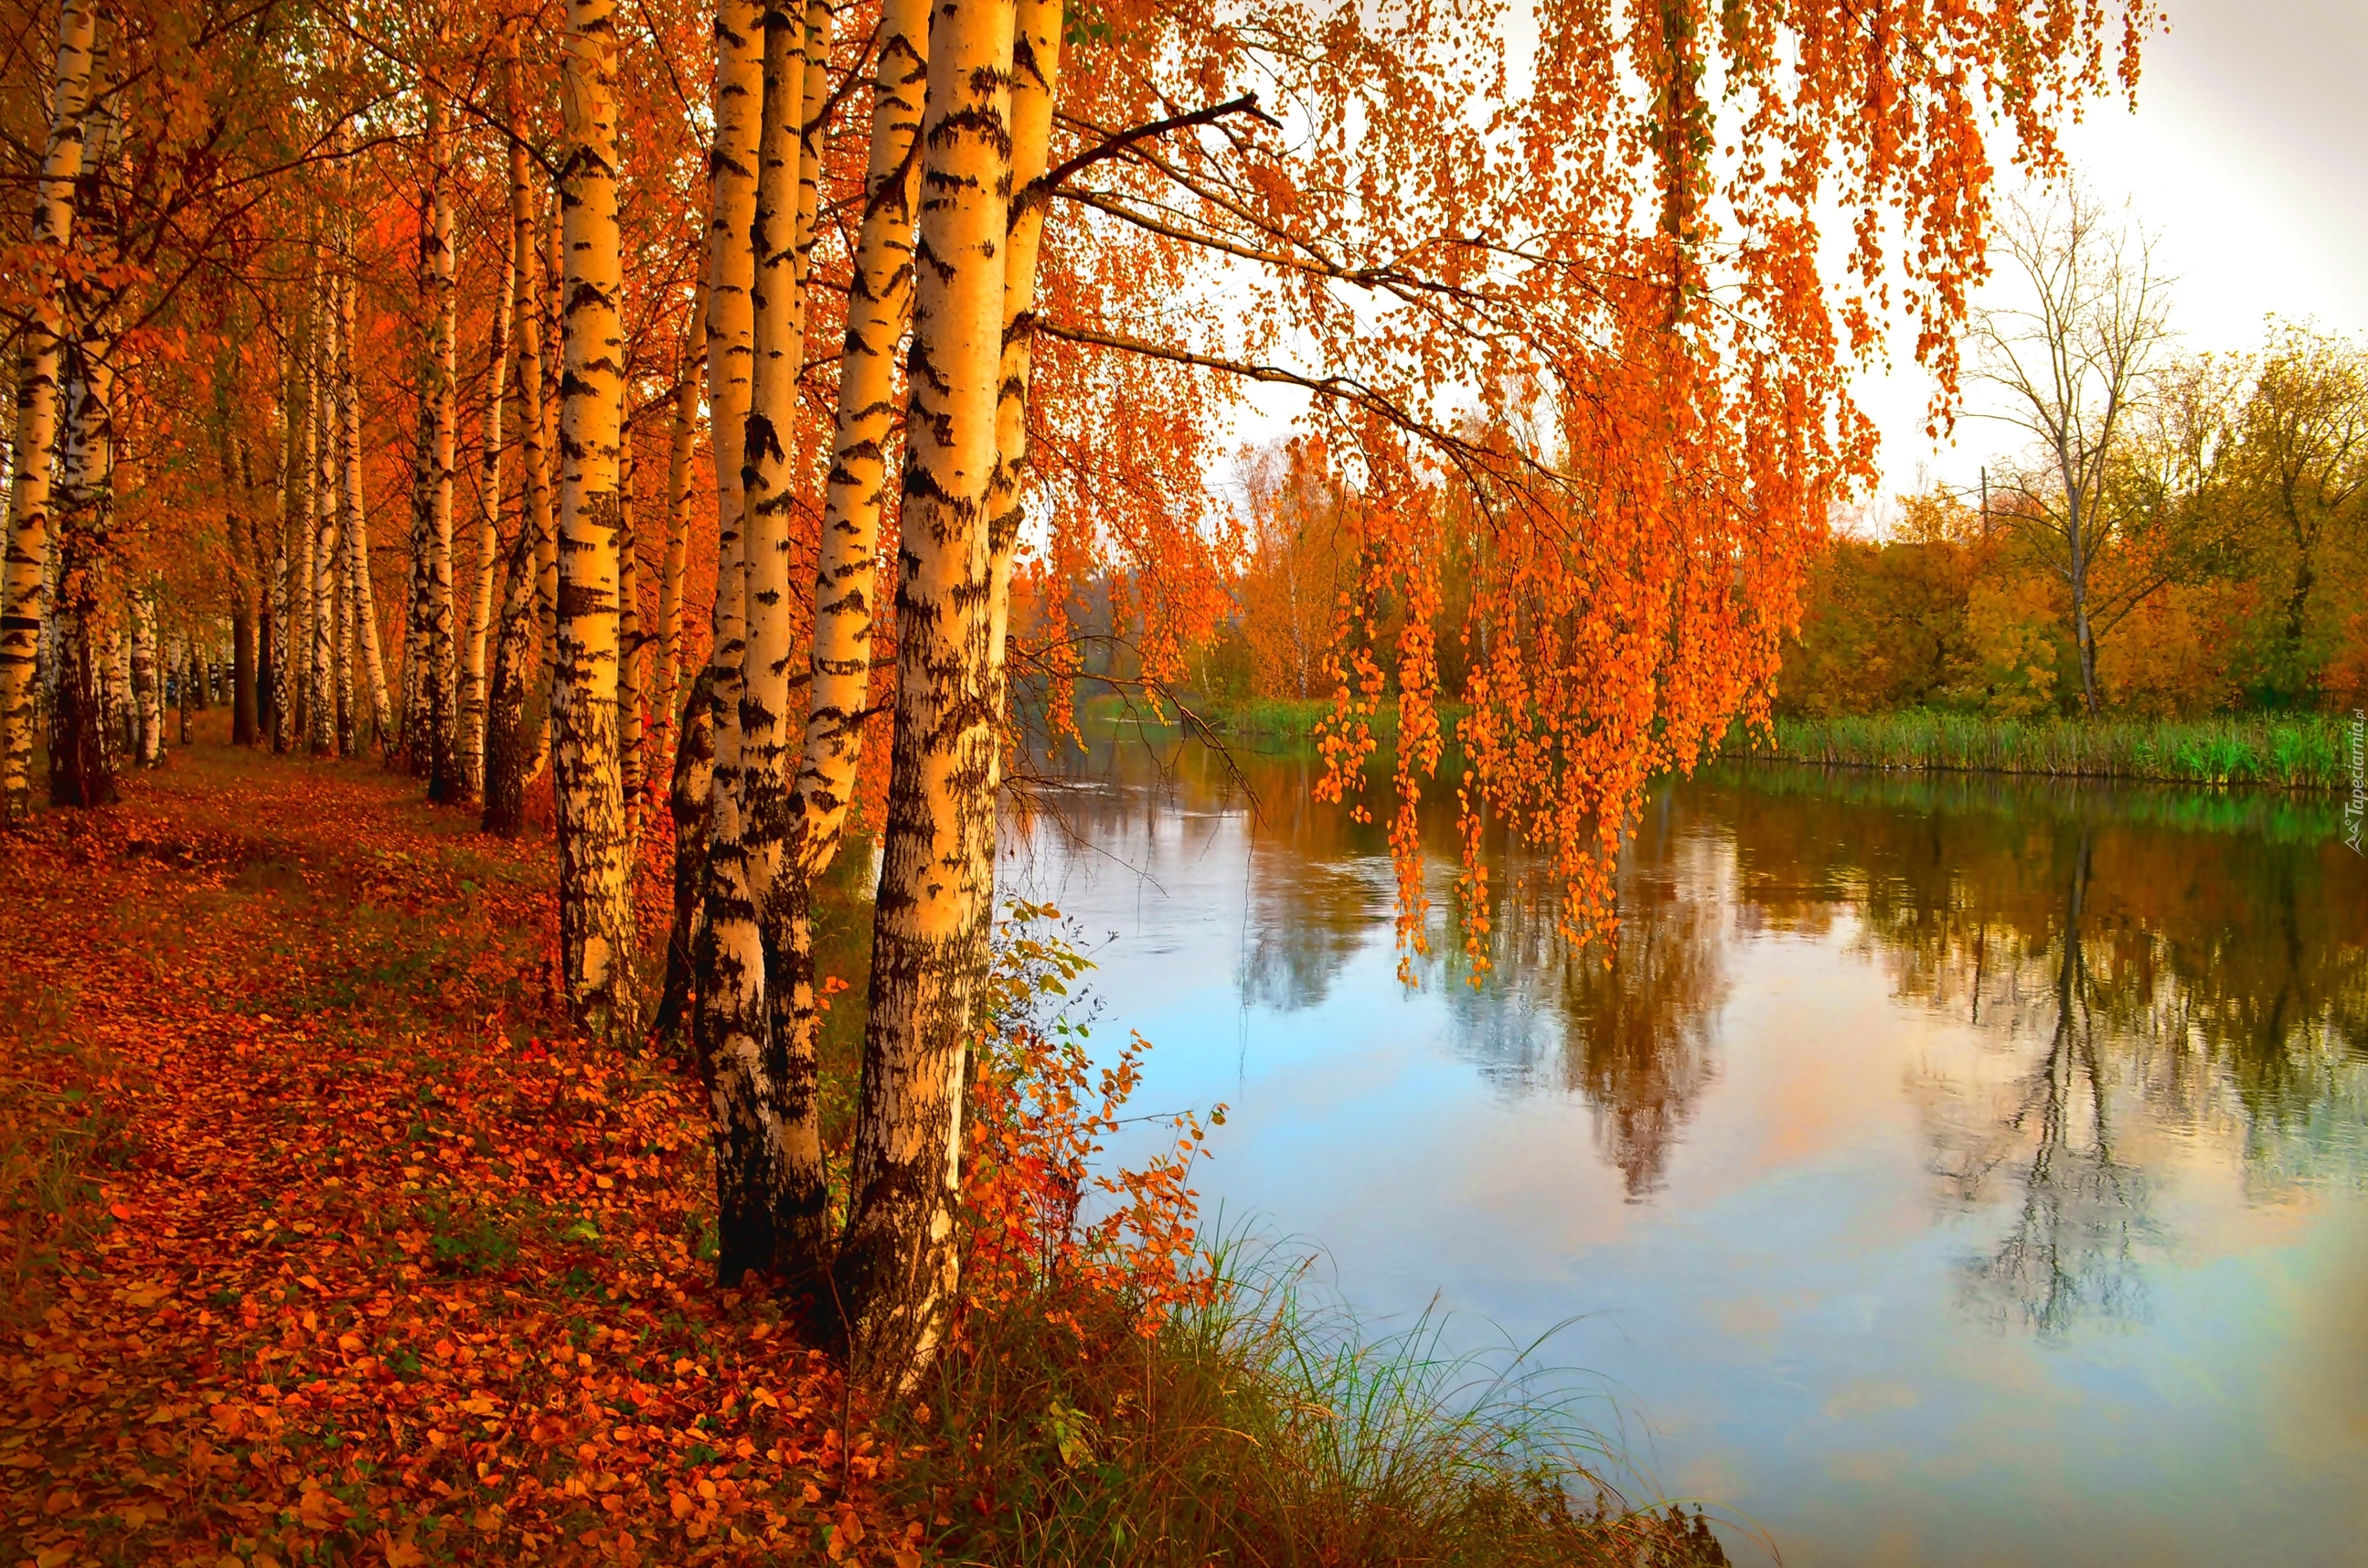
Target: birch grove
(918, 304)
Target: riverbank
(2306, 752)
(320, 1242)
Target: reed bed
(2287, 752)
(1264, 1427)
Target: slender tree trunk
(879, 305)
(83, 749)
(147, 680)
(244, 730)
(512, 744)
(509, 739)
(303, 549)
(34, 433)
(629, 642)
(325, 561)
(357, 524)
(688, 802)
(472, 741)
(668, 690)
(348, 637)
(730, 956)
(898, 1262)
(738, 1007)
(2084, 646)
(596, 852)
(192, 681)
(446, 779)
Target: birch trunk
(898, 1263)
(191, 682)
(596, 852)
(737, 1004)
(356, 523)
(471, 742)
(1035, 84)
(83, 747)
(730, 956)
(324, 562)
(514, 735)
(122, 730)
(304, 548)
(509, 741)
(667, 692)
(35, 434)
(446, 779)
(687, 802)
(147, 681)
(628, 643)
(845, 590)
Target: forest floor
(321, 1248)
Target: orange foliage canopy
(1561, 283)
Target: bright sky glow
(2243, 157)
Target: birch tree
(470, 742)
(354, 520)
(34, 435)
(509, 729)
(730, 957)
(596, 853)
(86, 717)
(446, 777)
(896, 1265)
(324, 560)
(845, 586)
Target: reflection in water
(1992, 1152)
(1631, 1022)
(2073, 1246)
(2146, 969)
(2202, 982)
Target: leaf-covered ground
(321, 1249)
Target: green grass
(2274, 816)
(1263, 1427)
(2307, 752)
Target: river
(1955, 1171)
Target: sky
(2246, 157)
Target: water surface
(1950, 1174)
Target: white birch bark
(898, 1263)
(471, 742)
(84, 742)
(595, 858)
(439, 672)
(322, 716)
(729, 956)
(840, 666)
(683, 448)
(34, 433)
(356, 523)
(147, 680)
(795, 89)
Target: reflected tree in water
(1630, 1022)
(2073, 1248)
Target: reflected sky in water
(1953, 1173)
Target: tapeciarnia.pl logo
(2355, 811)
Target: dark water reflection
(1959, 1172)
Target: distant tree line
(2227, 566)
